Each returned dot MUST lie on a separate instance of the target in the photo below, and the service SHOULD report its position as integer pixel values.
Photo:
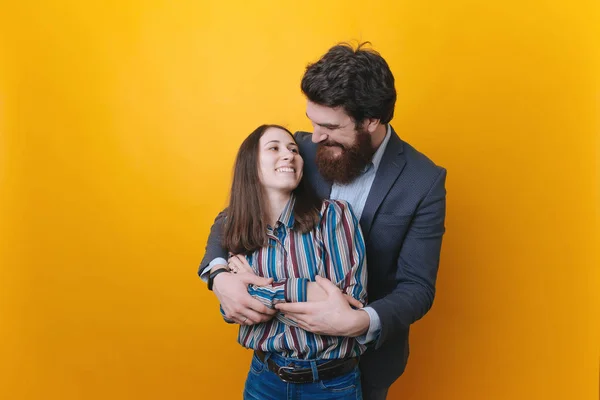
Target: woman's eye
(294, 151)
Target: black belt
(327, 370)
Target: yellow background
(119, 122)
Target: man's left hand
(332, 316)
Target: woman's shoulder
(330, 206)
(336, 214)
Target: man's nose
(318, 135)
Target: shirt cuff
(295, 290)
(374, 327)
(206, 271)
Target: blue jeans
(263, 384)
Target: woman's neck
(276, 202)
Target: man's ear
(371, 124)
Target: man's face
(342, 151)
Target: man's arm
(287, 290)
(232, 289)
(214, 253)
(417, 266)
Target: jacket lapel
(390, 167)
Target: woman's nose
(288, 155)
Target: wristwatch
(211, 276)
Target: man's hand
(332, 316)
(232, 292)
(314, 292)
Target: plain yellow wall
(119, 122)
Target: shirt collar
(287, 215)
(379, 153)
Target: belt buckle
(284, 368)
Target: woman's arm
(290, 290)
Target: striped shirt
(334, 249)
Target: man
(397, 193)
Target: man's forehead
(326, 115)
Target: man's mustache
(332, 144)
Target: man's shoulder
(305, 143)
(418, 161)
(303, 137)
(419, 171)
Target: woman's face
(279, 163)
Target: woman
(289, 235)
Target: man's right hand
(232, 292)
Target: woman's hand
(239, 265)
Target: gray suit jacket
(403, 225)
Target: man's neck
(378, 136)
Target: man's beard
(350, 163)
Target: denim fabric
(263, 384)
